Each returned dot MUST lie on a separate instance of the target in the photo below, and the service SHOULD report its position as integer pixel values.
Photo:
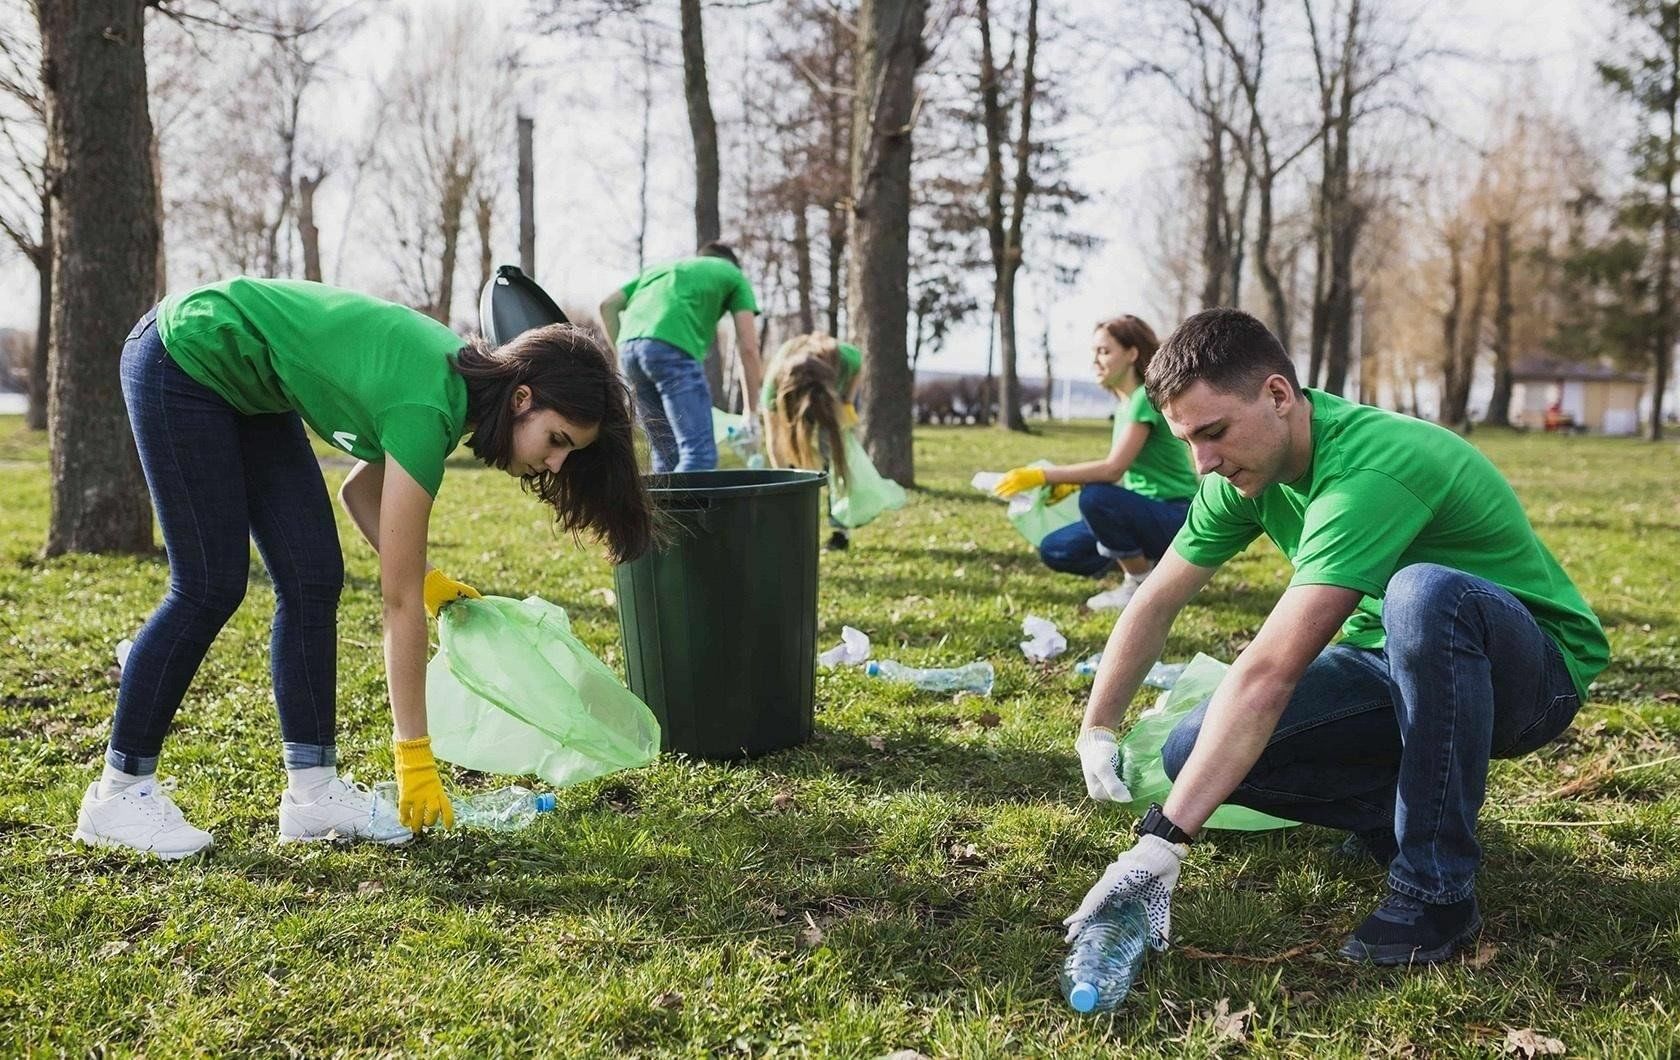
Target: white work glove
(1099, 757)
(1147, 873)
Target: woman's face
(542, 438)
(1112, 361)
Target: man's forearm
(1240, 720)
(1132, 648)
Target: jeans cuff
(1117, 553)
(133, 765)
(308, 755)
(1431, 897)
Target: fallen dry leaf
(1529, 1043)
(1485, 953)
(810, 936)
(988, 720)
(905, 1054)
(876, 743)
(115, 948)
(1232, 1025)
(670, 1001)
(782, 801)
(367, 887)
(967, 854)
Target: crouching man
(1462, 639)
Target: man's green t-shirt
(1385, 491)
(1162, 468)
(369, 376)
(850, 361)
(682, 301)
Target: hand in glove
(1147, 873)
(421, 802)
(1099, 757)
(440, 589)
(848, 415)
(1019, 480)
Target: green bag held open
(1140, 748)
(512, 690)
(1035, 517)
(863, 494)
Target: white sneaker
(1115, 599)
(343, 811)
(142, 818)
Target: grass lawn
(897, 884)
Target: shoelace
(157, 803)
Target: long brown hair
(1132, 333)
(598, 489)
(807, 409)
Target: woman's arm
(1108, 469)
(400, 524)
(360, 496)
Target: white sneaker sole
(90, 839)
(346, 837)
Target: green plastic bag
(863, 493)
(1035, 517)
(1140, 748)
(721, 423)
(513, 691)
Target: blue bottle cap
(545, 802)
(1083, 997)
(872, 668)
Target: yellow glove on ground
(1019, 480)
(440, 589)
(848, 415)
(421, 802)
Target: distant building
(1592, 397)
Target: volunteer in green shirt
(808, 401)
(664, 321)
(1131, 523)
(1462, 639)
(219, 383)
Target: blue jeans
(1399, 739)
(219, 479)
(1118, 524)
(674, 402)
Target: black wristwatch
(1155, 823)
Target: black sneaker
(1378, 846)
(838, 541)
(1404, 930)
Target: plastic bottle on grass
(976, 677)
(1162, 675)
(1106, 957)
(503, 810)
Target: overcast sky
(586, 165)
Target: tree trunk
(484, 216)
(1450, 388)
(309, 233)
(1015, 240)
(160, 274)
(1214, 260)
(1499, 405)
(527, 180)
(701, 124)
(1269, 278)
(35, 415)
(105, 266)
(802, 262)
(454, 202)
(889, 49)
(1663, 353)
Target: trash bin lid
(702, 488)
(513, 304)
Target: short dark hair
(1228, 349)
(715, 249)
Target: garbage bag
(862, 494)
(1037, 513)
(512, 690)
(1140, 748)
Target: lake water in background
(15, 404)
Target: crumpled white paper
(986, 481)
(852, 649)
(1019, 503)
(1044, 641)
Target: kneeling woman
(809, 387)
(219, 383)
(1131, 523)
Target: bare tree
(889, 51)
(104, 265)
(26, 202)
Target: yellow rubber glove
(421, 802)
(1061, 491)
(1019, 480)
(440, 589)
(848, 415)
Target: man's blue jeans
(218, 479)
(1400, 738)
(1117, 523)
(674, 402)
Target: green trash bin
(720, 625)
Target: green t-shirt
(681, 303)
(1385, 491)
(369, 376)
(851, 363)
(1162, 468)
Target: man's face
(1243, 439)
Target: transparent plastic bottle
(1106, 957)
(745, 445)
(1162, 675)
(976, 677)
(503, 810)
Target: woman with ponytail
(806, 402)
